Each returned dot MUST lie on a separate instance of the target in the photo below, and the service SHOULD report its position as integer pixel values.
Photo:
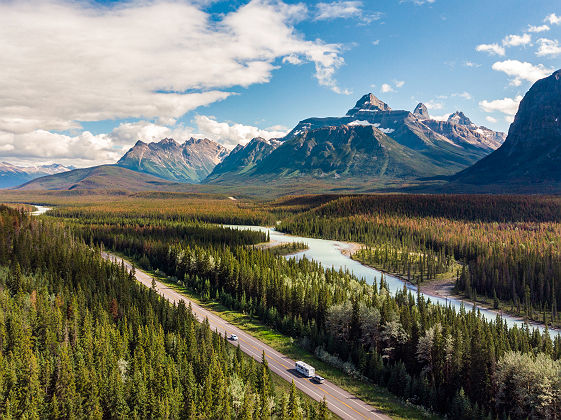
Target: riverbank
(444, 288)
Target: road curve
(339, 401)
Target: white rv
(305, 369)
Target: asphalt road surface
(339, 401)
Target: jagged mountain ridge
(531, 153)
(189, 162)
(13, 175)
(244, 158)
(406, 134)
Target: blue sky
(83, 81)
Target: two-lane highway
(339, 401)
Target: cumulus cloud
(65, 61)
(434, 105)
(520, 71)
(440, 117)
(517, 40)
(507, 106)
(538, 29)
(231, 134)
(86, 149)
(553, 19)
(548, 47)
(493, 49)
(491, 119)
(386, 87)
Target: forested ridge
(510, 246)
(80, 338)
(454, 363)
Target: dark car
(318, 379)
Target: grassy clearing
(370, 393)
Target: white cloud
(538, 29)
(548, 47)
(471, 64)
(399, 83)
(509, 118)
(42, 144)
(491, 119)
(517, 40)
(344, 10)
(553, 19)
(86, 149)
(65, 61)
(465, 95)
(231, 134)
(440, 117)
(386, 88)
(376, 42)
(507, 106)
(519, 71)
(493, 49)
(418, 2)
(433, 105)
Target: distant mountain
(244, 158)
(463, 132)
(107, 177)
(531, 154)
(371, 140)
(189, 162)
(13, 175)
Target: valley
(173, 236)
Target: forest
(508, 247)
(80, 338)
(454, 363)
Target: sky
(82, 81)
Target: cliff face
(532, 149)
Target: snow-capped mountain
(13, 175)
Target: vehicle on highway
(305, 369)
(318, 379)
(234, 337)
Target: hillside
(109, 177)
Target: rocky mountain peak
(368, 103)
(421, 111)
(168, 142)
(460, 118)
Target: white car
(234, 337)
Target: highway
(339, 401)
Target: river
(330, 254)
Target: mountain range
(371, 141)
(190, 162)
(371, 144)
(13, 175)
